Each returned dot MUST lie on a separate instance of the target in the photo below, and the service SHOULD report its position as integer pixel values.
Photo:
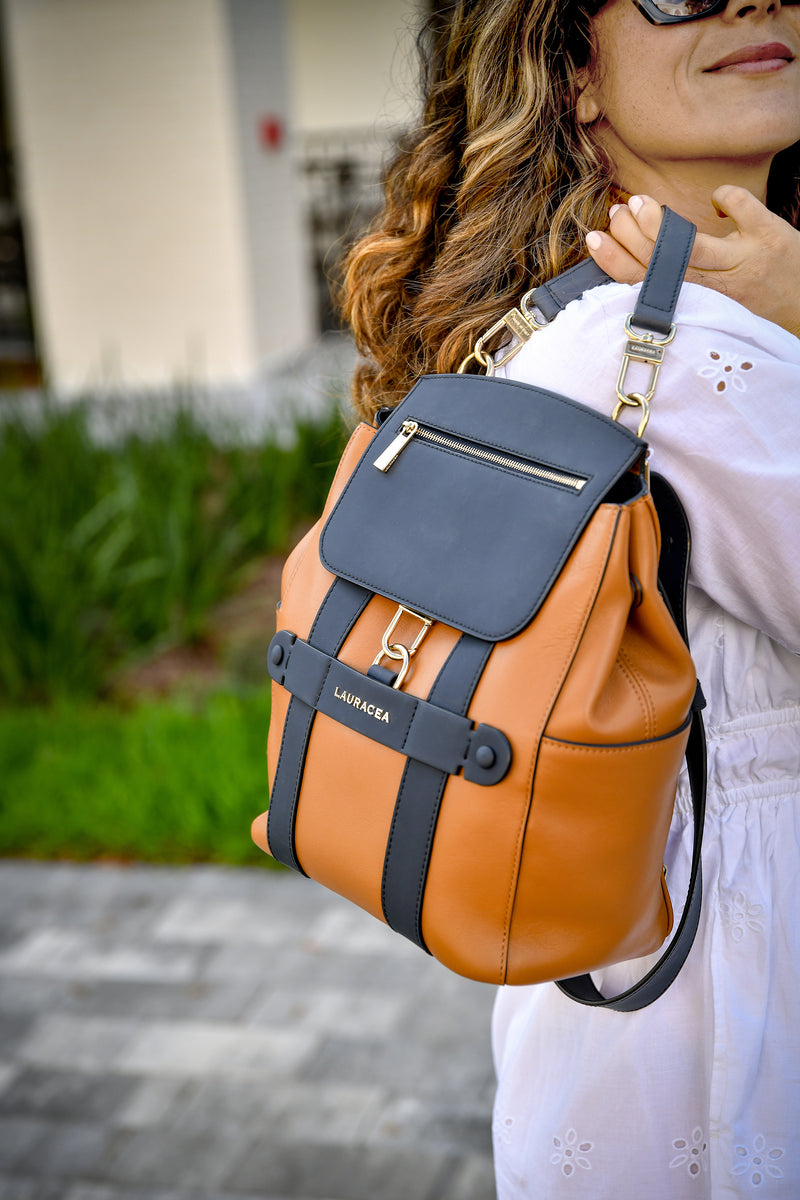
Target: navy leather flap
(481, 489)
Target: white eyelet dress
(696, 1097)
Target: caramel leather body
(557, 870)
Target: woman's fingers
(646, 213)
(624, 251)
(635, 226)
(750, 215)
(614, 259)
(757, 264)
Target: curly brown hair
(491, 194)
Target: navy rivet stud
(485, 757)
(276, 655)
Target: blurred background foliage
(117, 544)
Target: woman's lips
(754, 60)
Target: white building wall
(166, 241)
(353, 62)
(128, 165)
(277, 259)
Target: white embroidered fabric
(696, 1097)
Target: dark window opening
(342, 186)
(19, 365)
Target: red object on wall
(271, 132)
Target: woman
(540, 117)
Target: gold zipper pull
(396, 446)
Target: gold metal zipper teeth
(501, 460)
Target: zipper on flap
(412, 429)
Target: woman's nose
(736, 9)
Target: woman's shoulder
(581, 349)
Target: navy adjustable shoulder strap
(654, 312)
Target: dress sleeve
(724, 430)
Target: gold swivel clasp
(397, 651)
(643, 348)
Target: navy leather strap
(552, 297)
(654, 311)
(403, 722)
(405, 868)
(655, 306)
(339, 611)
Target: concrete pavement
(198, 1033)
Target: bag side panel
(590, 892)
(601, 810)
(633, 678)
(479, 837)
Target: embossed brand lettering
(372, 710)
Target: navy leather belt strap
(438, 736)
(419, 798)
(340, 610)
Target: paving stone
(266, 1110)
(153, 1102)
(67, 1150)
(196, 999)
(321, 1057)
(464, 1129)
(178, 1158)
(13, 1028)
(20, 1188)
(97, 1191)
(68, 1094)
(337, 927)
(239, 1105)
(242, 961)
(319, 1172)
(402, 1065)
(331, 1010)
(304, 969)
(31, 996)
(77, 1043)
(75, 954)
(17, 1135)
(191, 1048)
(90, 897)
(218, 919)
(91, 1191)
(445, 1004)
(473, 1179)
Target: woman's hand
(758, 264)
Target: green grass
(109, 545)
(167, 781)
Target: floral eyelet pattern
(502, 1128)
(726, 370)
(691, 1153)
(739, 916)
(570, 1154)
(759, 1164)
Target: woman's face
(721, 90)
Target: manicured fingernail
(614, 208)
(593, 240)
(635, 203)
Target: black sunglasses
(676, 12)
